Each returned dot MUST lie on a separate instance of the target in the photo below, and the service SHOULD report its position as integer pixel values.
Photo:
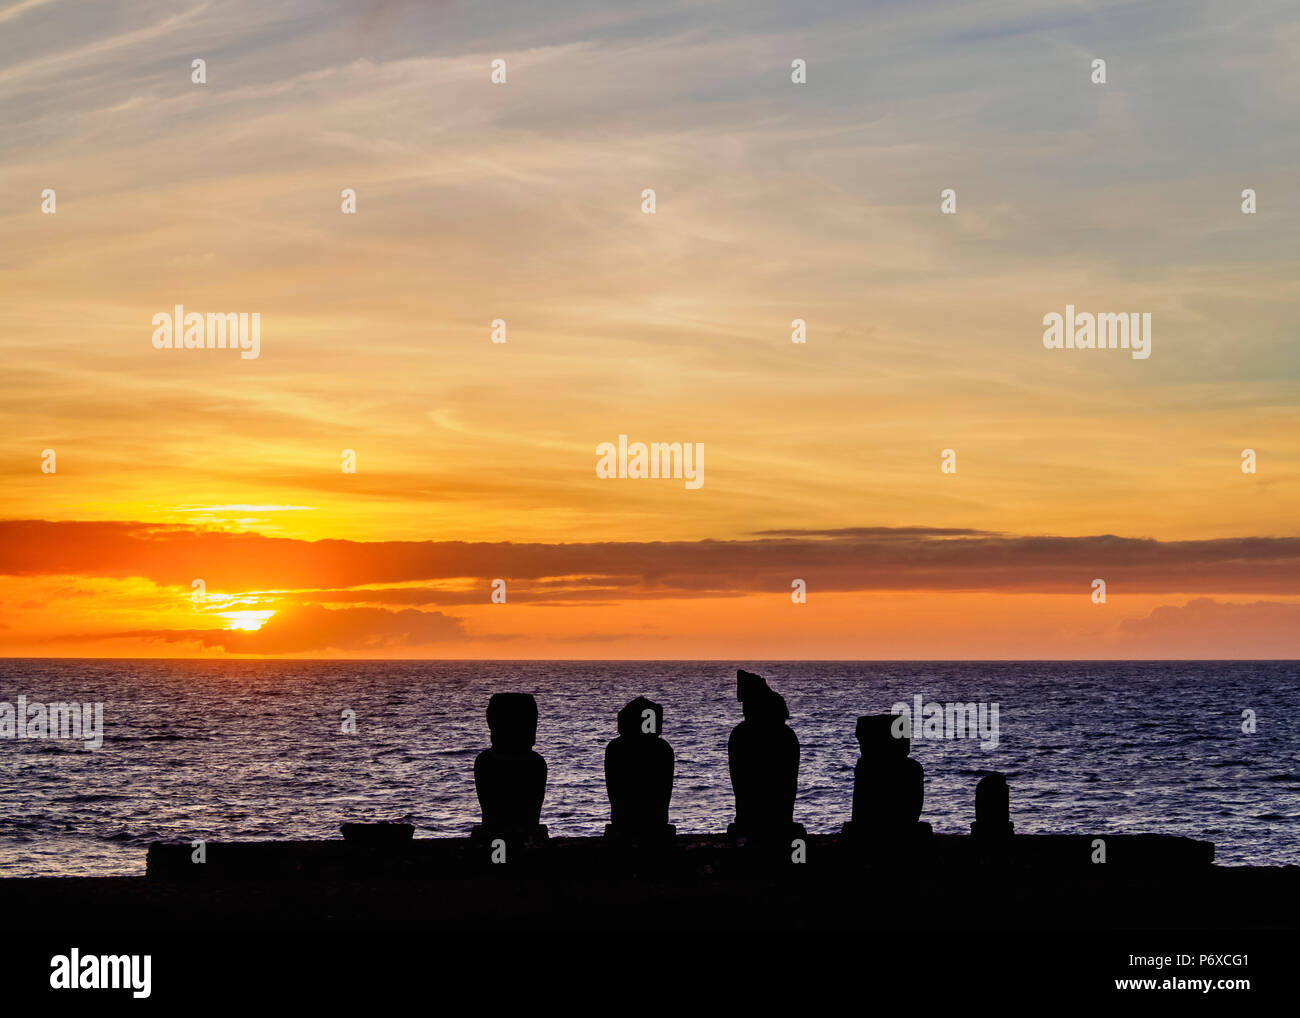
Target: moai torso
(764, 761)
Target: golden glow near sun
(250, 621)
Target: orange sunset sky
(522, 201)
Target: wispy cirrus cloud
(521, 201)
(818, 201)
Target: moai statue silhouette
(763, 756)
(509, 777)
(992, 808)
(639, 775)
(888, 785)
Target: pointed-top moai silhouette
(888, 785)
(992, 808)
(510, 778)
(639, 775)
(763, 756)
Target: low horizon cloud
(356, 597)
(851, 559)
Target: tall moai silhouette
(888, 785)
(763, 756)
(639, 775)
(992, 808)
(509, 777)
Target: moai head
(876, 738)
(633, 723)
(992, 799)
(758, 702)
(512, 717)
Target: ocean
(255, 750)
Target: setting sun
(249, 621)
